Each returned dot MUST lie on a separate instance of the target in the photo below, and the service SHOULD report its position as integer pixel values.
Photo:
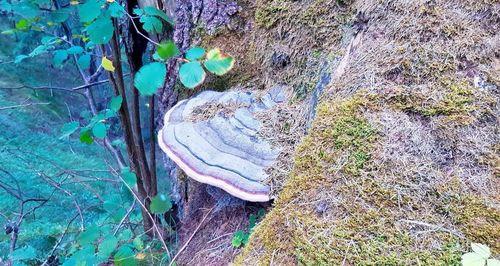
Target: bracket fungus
(213, 137)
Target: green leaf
(60, 15)
(68, 129)
(101, 30)
(59, 57)
(191, 74)
(218, 63)
(23, 24)
(481, 250)
(84, 61)
(26, 9)
(252, 220)
(138, 11)
(493, 262)
(84, 256)
(151, 24)
(126, 235)
(153, 11)
(125, 257)
(150, 77)
(89, 236)
(107, 246)
(160, 204)
(138, 243)
(129, 177)
(195, 53)
(473, 259)
(89, 11)
(116, 103)
(244, 241)
(86, 137)
(237, 238)
(99, 130)
(24, 253)
(167, 50)
(75, 50)
(40, 49)
(116, 10)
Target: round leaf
(129, 177)
(195, 53)
(493, 262)
(125, 257)
(481, 250)
(99, 130)
(116, 103)
(86, 137)
(160, 204)
(89, 11)
(88, 236)
(107, 246)
(116, 10)
(191, 74)
(150, 77)
(167, 50)
(59, 57)
(218, 63)
(74, 50)
(101, 30)
(473, 259)
(107, 64)
(84, 61)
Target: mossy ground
(400, 165)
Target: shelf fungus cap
(213, 137)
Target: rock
(213, 138)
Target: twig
(59, 241)
(433, 226)
(155, 226)
(191, 237)
(139, 32)
(21, 105)
(124, 217)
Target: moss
(364, 224)
(267, 15)
(458, 100)
(479, 222)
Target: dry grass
(210, 110)
(284, 127)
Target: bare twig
(191, 237)
(21, 105)
(139, 32)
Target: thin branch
(191, 237)
(155, 226)
(21, 105)
(124, 217)
(139, 32)
(59, 241)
